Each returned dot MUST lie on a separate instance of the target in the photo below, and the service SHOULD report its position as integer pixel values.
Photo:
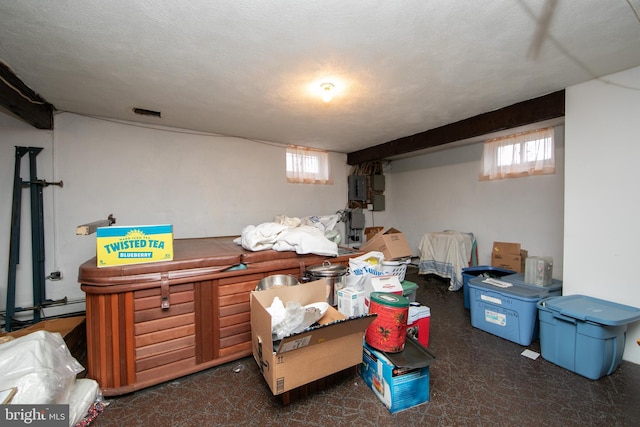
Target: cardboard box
(369, 232)
(392, 243)
(506, 248)
(65, 326)
(123, 245)
(351, 302)
(72, 330)
(299, 359)
(389, 284)
(508, 256)
(398, 385)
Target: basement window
(522, 154)
(308, 165)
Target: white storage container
(538, 270)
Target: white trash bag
(364, 267)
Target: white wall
(203, 185)
(441, 191)
(602, 229)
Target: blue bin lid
(596, 310)
(527, 293)
(480, 269)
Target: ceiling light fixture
(327, 91)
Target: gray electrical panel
(357, 219)
(377, 201)
(377, 182)
(354, 224)
(357, 187)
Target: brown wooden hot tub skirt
(150, 323)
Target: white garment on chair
(446, 253)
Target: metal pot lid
(326, 269)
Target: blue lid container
(510, 313)
(583, 334)
(585, 308)
(469, 273)
(517, 290)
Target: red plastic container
(388, 332)
(419, 322)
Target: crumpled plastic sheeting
(323, 223)
(293, 317)
(83, 394)
(277, 312)
(40, 366)
(284, 320)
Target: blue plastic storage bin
(510, 313)
(469, 273)
(583, 334)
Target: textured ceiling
(253, 68)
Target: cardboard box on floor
(299, 359)
(72, 330)
(399, 386)
(509, 256)
(64, 326)
(392, 243)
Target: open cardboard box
(333, 345)
(392, 243)
(509, 256)
(72, 330)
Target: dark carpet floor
(477, 379)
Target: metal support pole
(14, 245)
(37, 234)
(37, 239)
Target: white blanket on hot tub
(303, 239)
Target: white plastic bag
(40, 366)
(277, 312)
(363, 268)
(293, 318)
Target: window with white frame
(308, 165)
(522, 154)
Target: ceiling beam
(19, 100)
(535, 110)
